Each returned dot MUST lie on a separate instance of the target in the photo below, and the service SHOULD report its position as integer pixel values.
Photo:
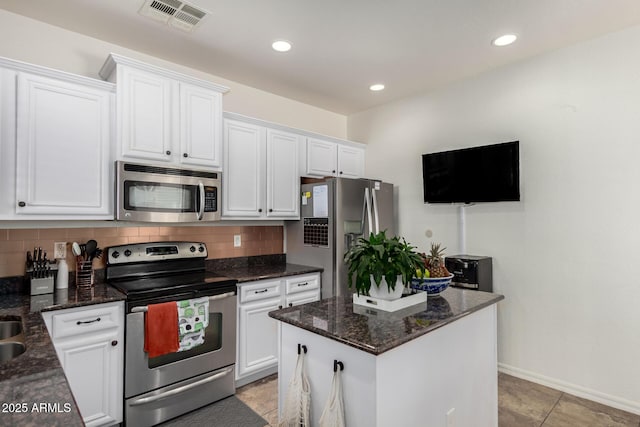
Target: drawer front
(302, 283)
(253, 291)
(83, 320)
(300, 298)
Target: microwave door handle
(376, 216)
(202, 199)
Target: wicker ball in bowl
(432, 285)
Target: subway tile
(105, 232)
(128, 231)
(148, 231)
(80, 235)
(57, 234)
(4, 234)
(23, 234)
(11, 246)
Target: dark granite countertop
(376, 331)
(36, 376)
(258, 272)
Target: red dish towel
(161, 329)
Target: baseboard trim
(576, 390)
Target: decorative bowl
(431, 285)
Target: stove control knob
(127, 252)
(201, 249)
(192, 248)
(115, 254)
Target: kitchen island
(432, 364)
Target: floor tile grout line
(552, 408)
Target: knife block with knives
(41, 272)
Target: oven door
(143, 374)
(157, 194)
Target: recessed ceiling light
(505, 40)
(281, 46)
(377, 87)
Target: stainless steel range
(163, 387)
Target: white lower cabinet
(89, 342)
(257, 352)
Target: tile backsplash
(256, 240)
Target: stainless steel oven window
(212, 342)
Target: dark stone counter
(247, 272)
(376, 331)
(33, 387)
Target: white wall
(566, 257)
(38, 43)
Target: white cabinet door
(242, 181)
(321, 157)
(200, 126)
(92, 355)
(350, 162)
(89, 364)
(283, 181)
(145, 114)
(257, 337)
(63, 147)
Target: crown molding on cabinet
(55, 74)
(272, 125)
(107, 72)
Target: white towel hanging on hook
(333, 413)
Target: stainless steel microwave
(162, 194)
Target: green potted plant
(382, 260)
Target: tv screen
(490, 173)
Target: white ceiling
(340, 47)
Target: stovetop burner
(163, 270)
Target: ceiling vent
(174, 13)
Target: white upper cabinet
(56, 145)
(260, 179)
(144, 114)
(200, 126)
(326, 158)
(242, 189)
(164, 116)
(283, 180)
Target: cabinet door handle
(260, 210)
(270, 210)
(290, 304)
(340, 172)
(333, 171)
(80, 322)
(185, 155)
(280, 307)
(22, 204)
(303, 284)
(168, 152)
(114, 343)
(260, 292)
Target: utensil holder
(84, 274)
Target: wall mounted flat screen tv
(490, 173)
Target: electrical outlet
(237, 240)
(60, 250)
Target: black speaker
(471, 272)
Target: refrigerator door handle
(367, 204)
(376, 215)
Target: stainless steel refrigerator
(334, 213)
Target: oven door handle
(145, 308)
(178, 390)
(202, 200)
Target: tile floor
(521, 404)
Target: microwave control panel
(210, 199)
